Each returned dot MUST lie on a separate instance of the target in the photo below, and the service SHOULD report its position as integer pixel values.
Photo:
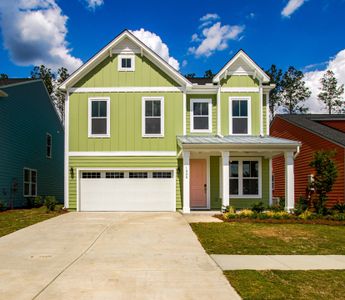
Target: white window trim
(192, 101)
(240, 178)
(92, 99)
(51, 145)
(143, 127)
(29, 182)
(249, 100)
(119, 63)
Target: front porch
(233, 170)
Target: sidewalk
(280, 262)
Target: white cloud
(154, 42)
(216, 37)
(34, 32)
(312, 79)
(93, 4)
(184, 63)
(195, 37)
(209, 17)
(291, 7)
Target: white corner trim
(184, 112)
(270, 182)
(249, 101)
(122, 153)
(143, 126)
(218, 112)
(261, 111)
(267, 114)
(240, 89)
(127, 89)
(66, 160)
(90, 100)
(191, 108)
(126, 56)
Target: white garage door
(127, 191)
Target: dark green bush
(301, 205)
(50, 203)
(3, 205)
(258, 207)
(339, 207)
(37, 201)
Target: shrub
(229, 215)
(307, 215)
(258, 207)
(279, 215)
(37, 201)
(301, 206)
(246, 213)
(50, 203)
(3, 205)
(339, 207)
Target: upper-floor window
(126, 62)
(49, 145)
(240, 115)
(201, 115)
(30, 182)
(153, 117)
(99, 117)
(245, 178)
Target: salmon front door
(198, 186)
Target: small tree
(46, 75)
(331, 94)
(325, 176)
(59, 98)
(275, 94)
(190, 75)
(3, 76)
(208, 74)
(294, 91)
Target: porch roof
(236, 142)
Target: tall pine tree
(330, 93)
(275, 94)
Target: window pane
(234, 169)
(49, 140)
(235, 108)
(94, 108)
(33, 189)
(200, 123)
(204, 109)
(26, 189)
(240, 126)
(233, 186)
(126, 63)
(26, 175)
(243, 108)
(157, 108)
(161, 175)
(246, 169)
(99, 126)
(102, 109)
(152, 125)
(33, 176)
(200, 109)
(148, 108)
(49, 154)
(254, 169)
(138, 175)
(250, 187)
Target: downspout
(297, 152)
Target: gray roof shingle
(310, 123)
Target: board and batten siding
(121, 162)
(106, 74)
(125, 123)
(214, 113)
(27, 115)
(239, 81)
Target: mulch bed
(283, 221)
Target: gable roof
(309, 122)
(9, 81)
(102, 54)
(200, 80)
(258, 72)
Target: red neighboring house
(315, 132)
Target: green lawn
(288, 284)
(16, 219)
(262, 238)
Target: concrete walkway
(202, 217)
(109, 256)
(280, 262)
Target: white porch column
(225, 179)
(186, 182)
(289, 181)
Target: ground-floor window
(244, 177)
(30, 182)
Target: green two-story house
(141, 137)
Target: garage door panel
(127, 194)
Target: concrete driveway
(109, 256)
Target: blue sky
(311, 35)
(193, 35)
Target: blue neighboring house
(31, 143)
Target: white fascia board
(105, 52)
(240, 89)
(248, 60)
(122, 153)
(127, 89)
